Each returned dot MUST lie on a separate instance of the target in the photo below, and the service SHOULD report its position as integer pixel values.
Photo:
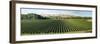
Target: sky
(48, 12)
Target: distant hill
(49, 16)
(32, 16)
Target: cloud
(47, 12)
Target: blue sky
(41, 11)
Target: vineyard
(51, 26)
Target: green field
(51, 26)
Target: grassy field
(51, 26)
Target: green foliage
(32, 16)
(33, 23)
(55, 26)
(37, 16)
(78, 17)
